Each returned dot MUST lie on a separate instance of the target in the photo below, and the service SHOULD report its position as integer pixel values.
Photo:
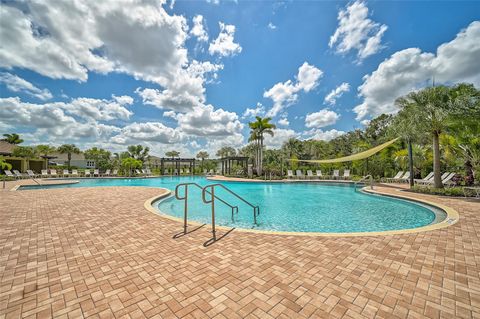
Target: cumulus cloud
(16, 84)
(357, 32)
(321, 118)
(252, 112)
(319, 134)
(284, 94)
(198, 29)
(149, 131)
(271, 26)
(411, 69)
(224, 44)
(283, 121)
(280, 137)
(336, 93)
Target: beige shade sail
(353, 157)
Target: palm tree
(68, 149)
(172, 154)
(4, 165)
(258, 128)
(12, 138)
(202, 155)
(44, 150)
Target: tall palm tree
(68, 149)
(12, 138)
(202, 155)
(258, 128)
(44, 150)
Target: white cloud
(411, 69)
(271, 26)
(100, 110)
(16, 84)
(321, 118)
(172, 4)
(213, 1)
(123, 99)
(258, 111)
(285, 94)
(357, 32)
(318, 134)
(283, 121)
(336, 93)
(198, 29)
(147, 132)
(224, 44)
(280, 136)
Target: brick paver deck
(80, 252)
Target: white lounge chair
(31, 173)
(149, 172)
(87, 173)
(96, 172)
(138, 172)
(395, 178)
(404, 178)
(187, 171)
(115, 172)
(289, 173)
(426, 178)
(66, 173)
(446, 180)
(310, 174)
(336, 174)
(346, 174)
(18, 174)
(44, 173)
(319, 174)
(9, 174)
(74, 172)
(53, 173)
(299, 174)
(107, 173)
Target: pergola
(177, 162)
(229, 160)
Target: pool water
(298, 207)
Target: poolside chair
(336, 174)
(138, 172)
(175, 172)
(87, 173)
(187, 171)
(31, 173)
(149, 172)
(299, 174)
(404, 178)
(446, 180)
(310, 174)
(18, 174)
(346, 174)
(96, 172)
(395, 178)
(74, 172)
(65, 172)
(9, 174)
(53, 173)
(44, 173)
(144, 172)
(319, 174)
(289, 173)
(426, 178)
(181, 171)
(115, 172)
(107, 173)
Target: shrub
(448, 191)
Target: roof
(6, 148)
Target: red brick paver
(68, 253)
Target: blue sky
(190, 75)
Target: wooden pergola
(229, 160)
(177, 163)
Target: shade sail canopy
(353, 157)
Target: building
(19, 163)
(78, 160)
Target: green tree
(138, 152)
(4, 165)
(259, 128)
(12, 138)
(202, 155)
(100, 156)
(226, 151)
(45, 150)
(68, 149)
(172, 154)
(26, 152)
(129, 164)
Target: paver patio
(83, 252)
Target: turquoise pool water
(300, 207)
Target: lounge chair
(44, 173)
(9, 174)
(96, 172)
(404, 178)
(31, 173)
(289, 173)
(446, 180)
(394, 178)
(65, 172)
(299, 174)
(53, 173)
(74, 173)
(319, 174)
(149, 172)
(107, 173)
(175, 172)
(138, 172)
(430, 180)
(87, 173)
(18, 174)
(336, 174)
(309, 174)
(187, 171)
(205, 172)
(346, 174)
(115, 172)
(426, 178)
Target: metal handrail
(363, 179)
(185, 210)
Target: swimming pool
(289, 207)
